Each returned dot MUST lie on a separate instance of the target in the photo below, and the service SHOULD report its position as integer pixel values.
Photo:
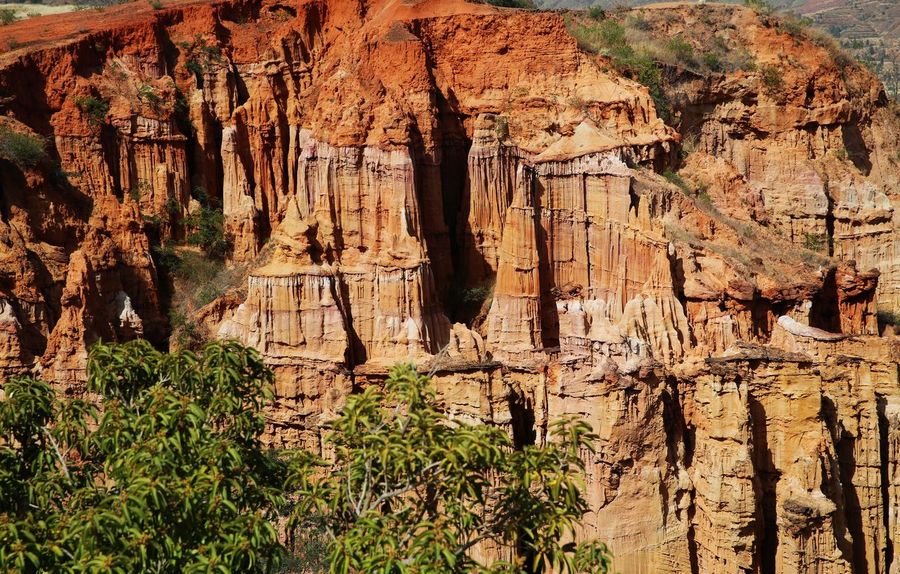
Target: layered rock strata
(462, 187)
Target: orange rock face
(460, 186)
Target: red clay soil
(45, 31)
(58, 29)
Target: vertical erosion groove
(843, 491)
(884, 451)
(767, 480)
(548, 311)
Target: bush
(138, 190)
(156, 4)
(690, 142)
(194, 67)
(187, 334)
(524, 4)
(94, 108)
(740, 59)
(886, 317)
(704, 198)
(792, 25)
(147, 93)
(207, 293)
(802, 28)
(7, 16)
(24, 150)
(681, 50)
(596, 12)
(841, 58)
(771, 79)
(610, 39)
(199, 55)
(195, 268)
(200, 279)
(476, 295)
(166, 258)
(713, 62)
(206, 229)
(612, 35)
(677, 180)
(173, 210)
(814, 241)
(762, 6)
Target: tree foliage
(410, 491)
(94, 108)
(206, 227)
(167, 476)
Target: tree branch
(59, 455)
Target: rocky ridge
(463, 187)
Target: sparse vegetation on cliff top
(634, 47)
(524, 4)
(200, 56)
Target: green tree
(171, 477)
(411, 491)
(206, 227)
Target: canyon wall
(462, 187)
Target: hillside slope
(868, 29)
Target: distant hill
(869, 29)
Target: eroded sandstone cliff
(463, 187)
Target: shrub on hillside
(762, 6)
(815, 241)
(803, 28)
(596, 12)
(681, 50)
(524, 4)
(7, 16)
(23, 149)
(200, 56)
(713, 62)
(771, 79)
(886, 317)
(94, 108)
(677, 180)
(610, 39)
(206, 229)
